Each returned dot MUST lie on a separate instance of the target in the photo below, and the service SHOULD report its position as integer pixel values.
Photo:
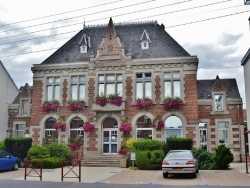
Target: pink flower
(143, 103)
(122, 151)
(116, 101)
(172, 103)
(49, 106)
(160, 123)
(87, 127)
(75, 105)
(125, 127)
(102, 101)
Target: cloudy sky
(216, 31)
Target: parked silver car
(180, 162)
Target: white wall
(8, 93)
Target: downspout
(240, 133)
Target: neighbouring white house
(9, 92)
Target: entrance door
(109, 140)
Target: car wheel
(197, 171)
(15, 167)
(194, 175)
(165, 175)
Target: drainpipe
(239, 132)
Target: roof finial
(84, 23)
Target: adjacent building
(129, 61)
(8, 94)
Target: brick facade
(110, 59)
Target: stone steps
(99, 160)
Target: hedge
(149, 160)
(18, 146)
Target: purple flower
(87, 127)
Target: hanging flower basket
(48, 106)
(125, 127)
(75, 105)
(88, 127)
(172, 103)
(143, 103)
(157, 122)
(60, 124)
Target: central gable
(111, 49)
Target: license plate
(177, 169)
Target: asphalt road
(44, 184)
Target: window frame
(19, 130)
(218, 103)
(223, 129)
(144, 79)
(144, 45)
(105, 82)
(78, 85)
(172, 80)
(54, 84)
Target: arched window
(76, 130)
(50, 133)
(173, 127)
(144, 129)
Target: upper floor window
(143, 85)
(172, 84)
(218, 99)
(53, 88)
(223, 130)
(110, 84)
(78, 87)
(19, 130)
(25, 107)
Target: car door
(6, 162)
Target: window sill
(219, 112)
(108, 107)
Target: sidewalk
(235, 176)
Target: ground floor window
(50, 133)
(223, 132)
(19, 130)
(203, 135)
(173, 127)
(143, 128)
(76, 130)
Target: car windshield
(179, 154)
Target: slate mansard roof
(205, 87)
(161, 45)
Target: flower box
(113, 99)
(48, 106)
(172, 103)
(143, 103)
(75, 105)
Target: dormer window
(145, 40)
(84, 43)
(84, 49)
(144, 45)
(218, 102)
